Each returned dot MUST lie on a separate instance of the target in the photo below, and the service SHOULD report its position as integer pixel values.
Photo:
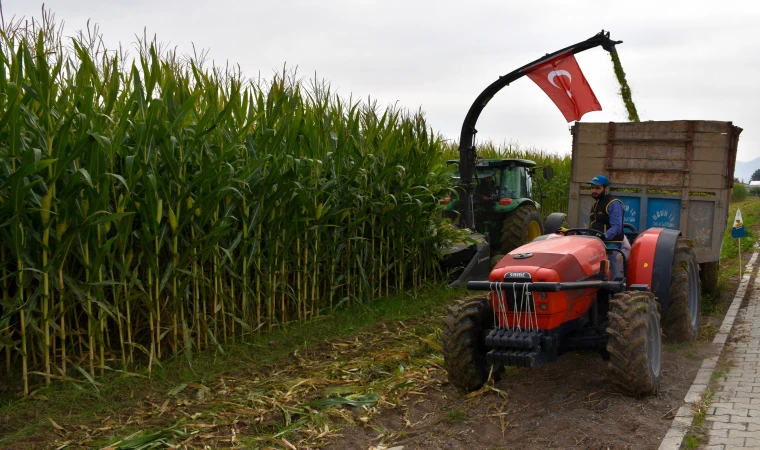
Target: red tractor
(555, 295)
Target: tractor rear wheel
(521, 226)
(681, 323)
(464, 347)
(635, 343)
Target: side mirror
(548, 173)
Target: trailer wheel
(464, 348)
(708, 276)
(520, 227)
(635, 343)
(681, 323)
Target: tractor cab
(501, 187)
(502, 180)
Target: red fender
(650, 261)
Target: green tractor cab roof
(498, 163)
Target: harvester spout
(467, 151)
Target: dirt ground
(570, 404)
(566, 405)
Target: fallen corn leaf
(177, 389)
(57, 427)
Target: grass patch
(691, 441)
(456, 416)
(750, 208)
(719, 375)
(716, 304)
(696, 434)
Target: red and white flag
(562, 80)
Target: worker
(485, 189)
(607, 218)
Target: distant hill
(745, 169)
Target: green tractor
(504, 202)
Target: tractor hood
(555, 258)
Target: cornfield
(556, 189)
(153, 207)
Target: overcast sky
(684, 59)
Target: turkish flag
(562, 80)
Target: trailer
(669, 174)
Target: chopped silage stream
(625, 89)
(303, 402)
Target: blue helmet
(600, 180)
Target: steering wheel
(580, 232)
(628, 228)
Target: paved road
(733, 418)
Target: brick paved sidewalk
(733, 419)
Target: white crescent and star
(557, 73)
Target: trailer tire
(708, 276)
(520, 227)
(635, 343)
(681, 323)
(464, 348)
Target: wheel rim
(534, 231)
(694, 295)
(655, 347)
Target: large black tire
(520, 227)
(464, 349)
(635, 343)
(554, 222)
(681, 323)
(708, 276)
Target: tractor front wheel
(635, 343)
(464, 349)
(681, 323)
(521, 226)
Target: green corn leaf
(366, 400)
